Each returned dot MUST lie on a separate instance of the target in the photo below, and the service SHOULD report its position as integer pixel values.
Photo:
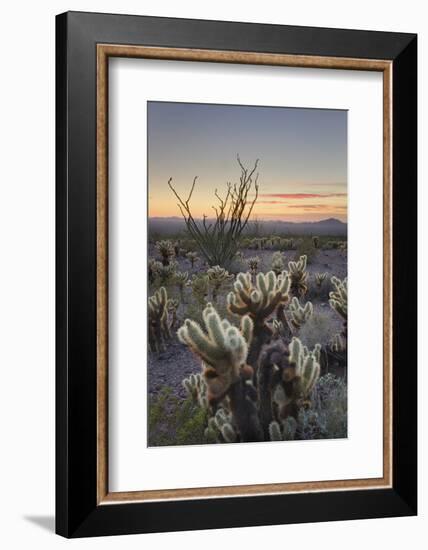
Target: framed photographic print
(223, 191)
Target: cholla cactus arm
(258, 301)
(289, 428)
(338, 343)
(339, 297)
(275, 431)
(158, 320)
(172, 306)
(307, 365)
(300, 314)
(223, 349)
(298, 371)
(196, 388)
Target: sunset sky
(302, 158)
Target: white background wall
(27, 88)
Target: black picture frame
(77, 511)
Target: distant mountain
(331, 226)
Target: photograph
(246, 273)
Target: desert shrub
(173, 421)
(317, 329)
(304, 247)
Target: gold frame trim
(104, 51)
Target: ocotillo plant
(217, 276)
(192, 257)
(218, 240)
(278, 262)
(159, 327)
(259, 301)
(300, 314)
(298, 276)
(166, 251)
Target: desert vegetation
(247, 330)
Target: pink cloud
(302, 195)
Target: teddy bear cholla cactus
(259, 301)
(299, 370)
(300, 314)
(278, 263)
(192, 257)
(298, 276)
(217, 276)
(166, 250)
(180, 279)
(339, 296)
(159, 327)
(223, 349)
(320, 278)
(253, 264)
